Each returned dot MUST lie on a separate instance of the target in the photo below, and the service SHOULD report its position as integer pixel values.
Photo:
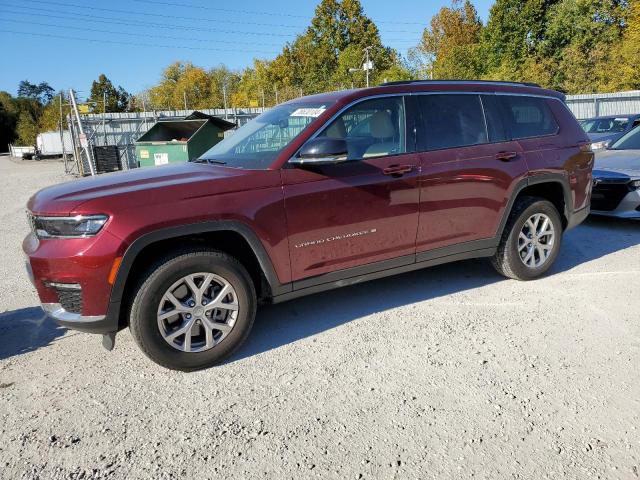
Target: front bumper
(55, 265)
(628, 207)
(76, 321)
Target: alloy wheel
(536, 240)
(197, 312)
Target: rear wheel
(531, 240)
(193, 310)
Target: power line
(160, 15)
(251, 12)
(157, 15)
(117, 42)
(31, 22)
(114, 21)
(230, 42)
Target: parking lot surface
(450, 372)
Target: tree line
(575, 46)
(38, 108)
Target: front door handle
(506, 156)
(397, 170)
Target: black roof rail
(454, 82)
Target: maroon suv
(317, 193)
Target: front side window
(450, 121)
(528, 117)
(258, 143)
(373, 128)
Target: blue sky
(68, 43)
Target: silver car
(616, 178)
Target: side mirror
(322, 151)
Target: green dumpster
(170, 141)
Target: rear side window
(528, 117)
(450, 121)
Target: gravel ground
(450, 372)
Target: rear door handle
(397, 170)
(506, 156)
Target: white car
(616, 178)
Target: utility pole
(104, 115)
(64, 152)
(263, 98)
(276, 96)
(224, 98)
(368, 65)
(184, 95)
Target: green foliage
(451, 47)
(200, 89)
(50, 118)
(8, 120)
(329, 55)
(577, 46)
(42, 92)
(117, 99)
(27, 129)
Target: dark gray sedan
(616, 178)
(604, 131)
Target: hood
(624, 162)
(602, 137)
(144, 186)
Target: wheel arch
(232, 237)
(552, 187)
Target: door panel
(363, 210)
(464, 192)
(350, 214)
(468, 169)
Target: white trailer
(49, 144)
(20, 152)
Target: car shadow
(597, 237)
(278, 325)
(26, 330)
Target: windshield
(605, 125)
(631, 141)
(257, 144)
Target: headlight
(67, 227)
(600, 145)
(635, 184)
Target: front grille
(607, 196)
(71, 300)
(69, 296)
(32, 222)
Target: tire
(508, 260)
(150, 332)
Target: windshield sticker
(308, 112)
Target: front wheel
(193, 310)
(531, 240)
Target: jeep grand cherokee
(317, 193)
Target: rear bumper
(577, 217)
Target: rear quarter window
(451, 121)
(527, 117)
